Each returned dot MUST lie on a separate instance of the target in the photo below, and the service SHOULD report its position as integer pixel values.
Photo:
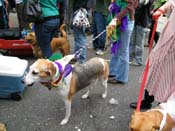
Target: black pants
(3, 17)
(148, 98)
(156, 35)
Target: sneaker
(133, 63)
(99, 52)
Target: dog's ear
(51, 69)
(32, 34)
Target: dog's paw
(85, 96)
(64, 122)
(104, 95)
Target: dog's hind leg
(86, 95)
(68, 111)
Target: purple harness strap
(59, 66)
(68, 68)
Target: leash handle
(145, 73)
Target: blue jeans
(98, 25)
(44, 33)
(80, 43)
(137, 44)
(119, 63)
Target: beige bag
(161, 23)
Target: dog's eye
(34, 72)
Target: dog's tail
(62, 30)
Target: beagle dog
(68, 79)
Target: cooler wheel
(17, 96)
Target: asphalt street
(42, 110)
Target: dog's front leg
(68, 112)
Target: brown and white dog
(2, 127)
(161, 118)
(52, 74)
(60, 44)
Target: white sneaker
(99, 52)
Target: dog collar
(164, 113)
(61, 73)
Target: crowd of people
(128, 21)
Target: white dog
(67, 80)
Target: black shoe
(114, 81)
(111, 76)
(144, 105)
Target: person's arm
(129, 8)
(164, 9)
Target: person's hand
(157, 14)
(113, 23)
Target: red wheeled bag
(12, 44)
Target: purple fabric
(68, 68)
(114, 9)
(115, 46)
(124, 23)
(59, 66)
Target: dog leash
(78, 52)
(145, 73)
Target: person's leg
(145, 103)
(80, 43)
(44, 33)
(156, 35)
(22, 23)
(147, 97)
(4, 21)
(1, 18)
(140, 35)
(101, 22)
(132, 45)
(120, 61)
(94, 31)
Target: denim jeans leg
(100, 24)
(94, 32)
(44, 34)
(139, 44)
(80, 42)
(120, 60)
(132, 45)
